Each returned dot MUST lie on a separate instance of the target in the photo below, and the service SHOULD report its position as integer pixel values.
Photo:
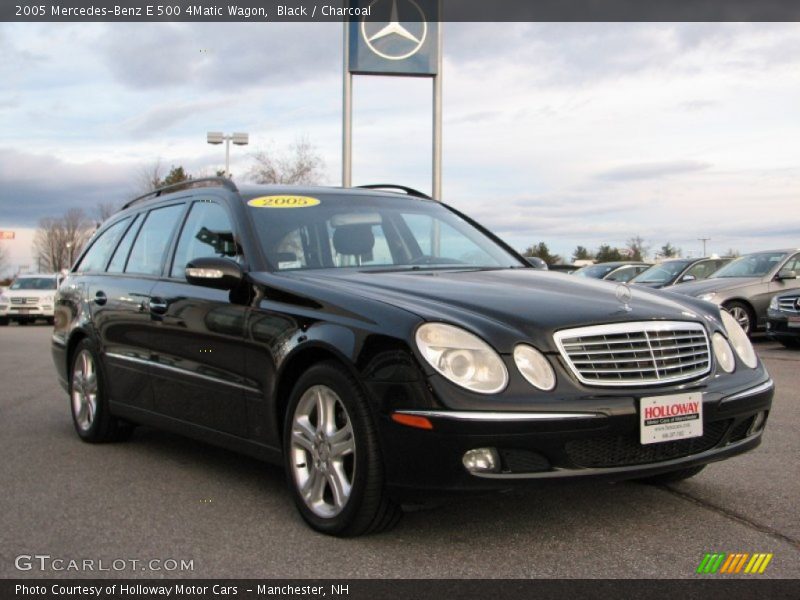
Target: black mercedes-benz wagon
(382, 346)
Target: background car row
(746, 286)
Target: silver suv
(30, 297)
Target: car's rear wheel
(743, 315)
(673, 476)
(332, 455)
(91, 415)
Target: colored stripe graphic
(721, 562)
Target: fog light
(482, 460)
(758, 423)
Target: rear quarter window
(99, 252)
(147, 254)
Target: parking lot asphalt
(160, 496)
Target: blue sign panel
(400, 37)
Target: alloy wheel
(742, 317)
(84, 390)
(323, 451)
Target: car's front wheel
(332, 455)
(91, 416)
(743, 315)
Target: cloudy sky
(566, 133)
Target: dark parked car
(745, 286)
(783, 319)
(382, 345)
(679, 270)
(620, 272)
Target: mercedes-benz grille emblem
(396, 40)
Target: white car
(30, 297)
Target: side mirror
(688, 278)
(213, 272)
(786, 274)
(536, 262)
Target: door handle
(158, 306)
(100, 298)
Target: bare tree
(104, 210)
(58, 241)
(300, 164)
(149, 177)
(637, 248)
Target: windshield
(662, 273)
(751, 265)
(34, 283)
(334, 231)
(595, 271)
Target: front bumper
(778, 327)
(538, 447)
(22, 312)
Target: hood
(507, 306)
(719, 284)
(28, 293)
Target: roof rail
(189, 183)
(392, 186)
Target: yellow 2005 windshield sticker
(283, 202)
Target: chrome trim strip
(150, 363)
(631, 327)
(762, 387)
(468, 415)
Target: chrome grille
(24, 300)
(789, 304)
(636, 353)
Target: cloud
(219, 56)
(36, 186)
(155, 121)
(656, 170)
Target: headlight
(47, 299)
(534, 367)
(739, 340)
(709, 297)
(723, 352)
(462, 357)
(773, 304)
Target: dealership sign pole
(399, 38)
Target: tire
(3, 321)
(91, 415)
(790, 343)
(743, 314)
(51, 321)
(331, 444)
(672, 476)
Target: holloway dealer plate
(670, 418)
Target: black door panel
(196, 338)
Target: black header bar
(452, 10)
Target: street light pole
(217, 137)
(704, 240)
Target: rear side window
(117, 264)
(148, 250)
(97, 257)
(207, 232)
